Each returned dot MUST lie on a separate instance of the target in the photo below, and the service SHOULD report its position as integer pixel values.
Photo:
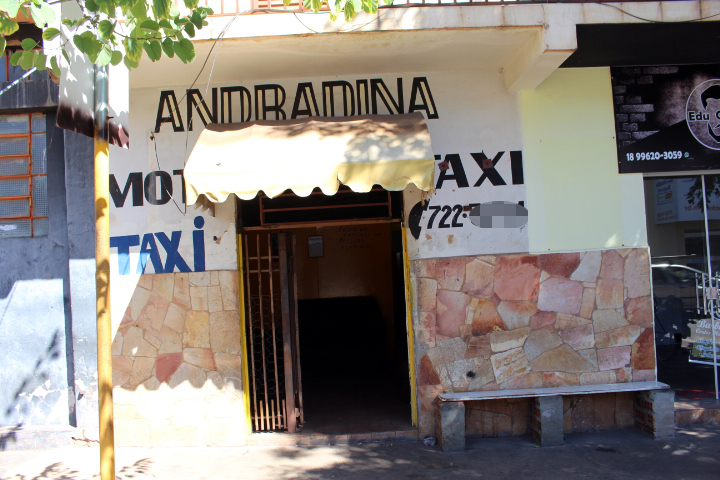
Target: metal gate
(271, 294)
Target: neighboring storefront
(668, 129)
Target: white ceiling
(313, 55)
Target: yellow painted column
(104, 325)
(410, 331)
(102, 277)
(243, 336)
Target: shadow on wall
(177, 362)
(29, 399)
(180, 327)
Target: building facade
(526, 266)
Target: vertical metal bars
(271, 310)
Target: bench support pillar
(450, 425)
(655, 412)
(546, 420)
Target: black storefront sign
(667, 118)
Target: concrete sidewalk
(625, 454)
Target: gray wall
(47, 296)
(33, 298)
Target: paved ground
(627, 454)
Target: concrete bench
(654, 410)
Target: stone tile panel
(560, 295)
(560, 264)
(507, 340)
(540, 341)
(612, 266)
(517, 277)
(637, 273)
(510, 364)
(451, 312)
(516, 314)
(589, 267)
(486, 319)
(479, 278)
(450, 273)
(609, 293)
(614, 357)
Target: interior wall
(357, 262)
(576, 198)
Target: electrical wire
(700, 19)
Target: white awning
(300, 155)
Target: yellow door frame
(410, 330)
(243, 336)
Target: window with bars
(23, 176)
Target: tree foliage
(115, 31)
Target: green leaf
(50, 33)
(91, 5)
(165, 23)
(66, 55)
(28, 44)
(106, 29)
(150, 24)
(184, 50)
(174, 10)
(37, 16)
(48, 12)
(104, 55)
(349, 11)
(7, 26)
(167, 46)
(54, 65)
(287, 2)
(15, 58)
(133, 50)
(3, 44)
(191, 4)
(130, 63)
(162, 8)
(40, 61)
(11, 7)
(139, 10)
(196, 19)
(81, 43)
(27, 60)
(190, 29)
(117, 57)
(153, 49)
(370, 6)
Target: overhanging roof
(273, 156)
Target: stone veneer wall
(177, 362)
(532, 321)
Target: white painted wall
(476, 115)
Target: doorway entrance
(684, 240)
(346, 331)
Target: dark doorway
(352, 330)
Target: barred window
(23, 176)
